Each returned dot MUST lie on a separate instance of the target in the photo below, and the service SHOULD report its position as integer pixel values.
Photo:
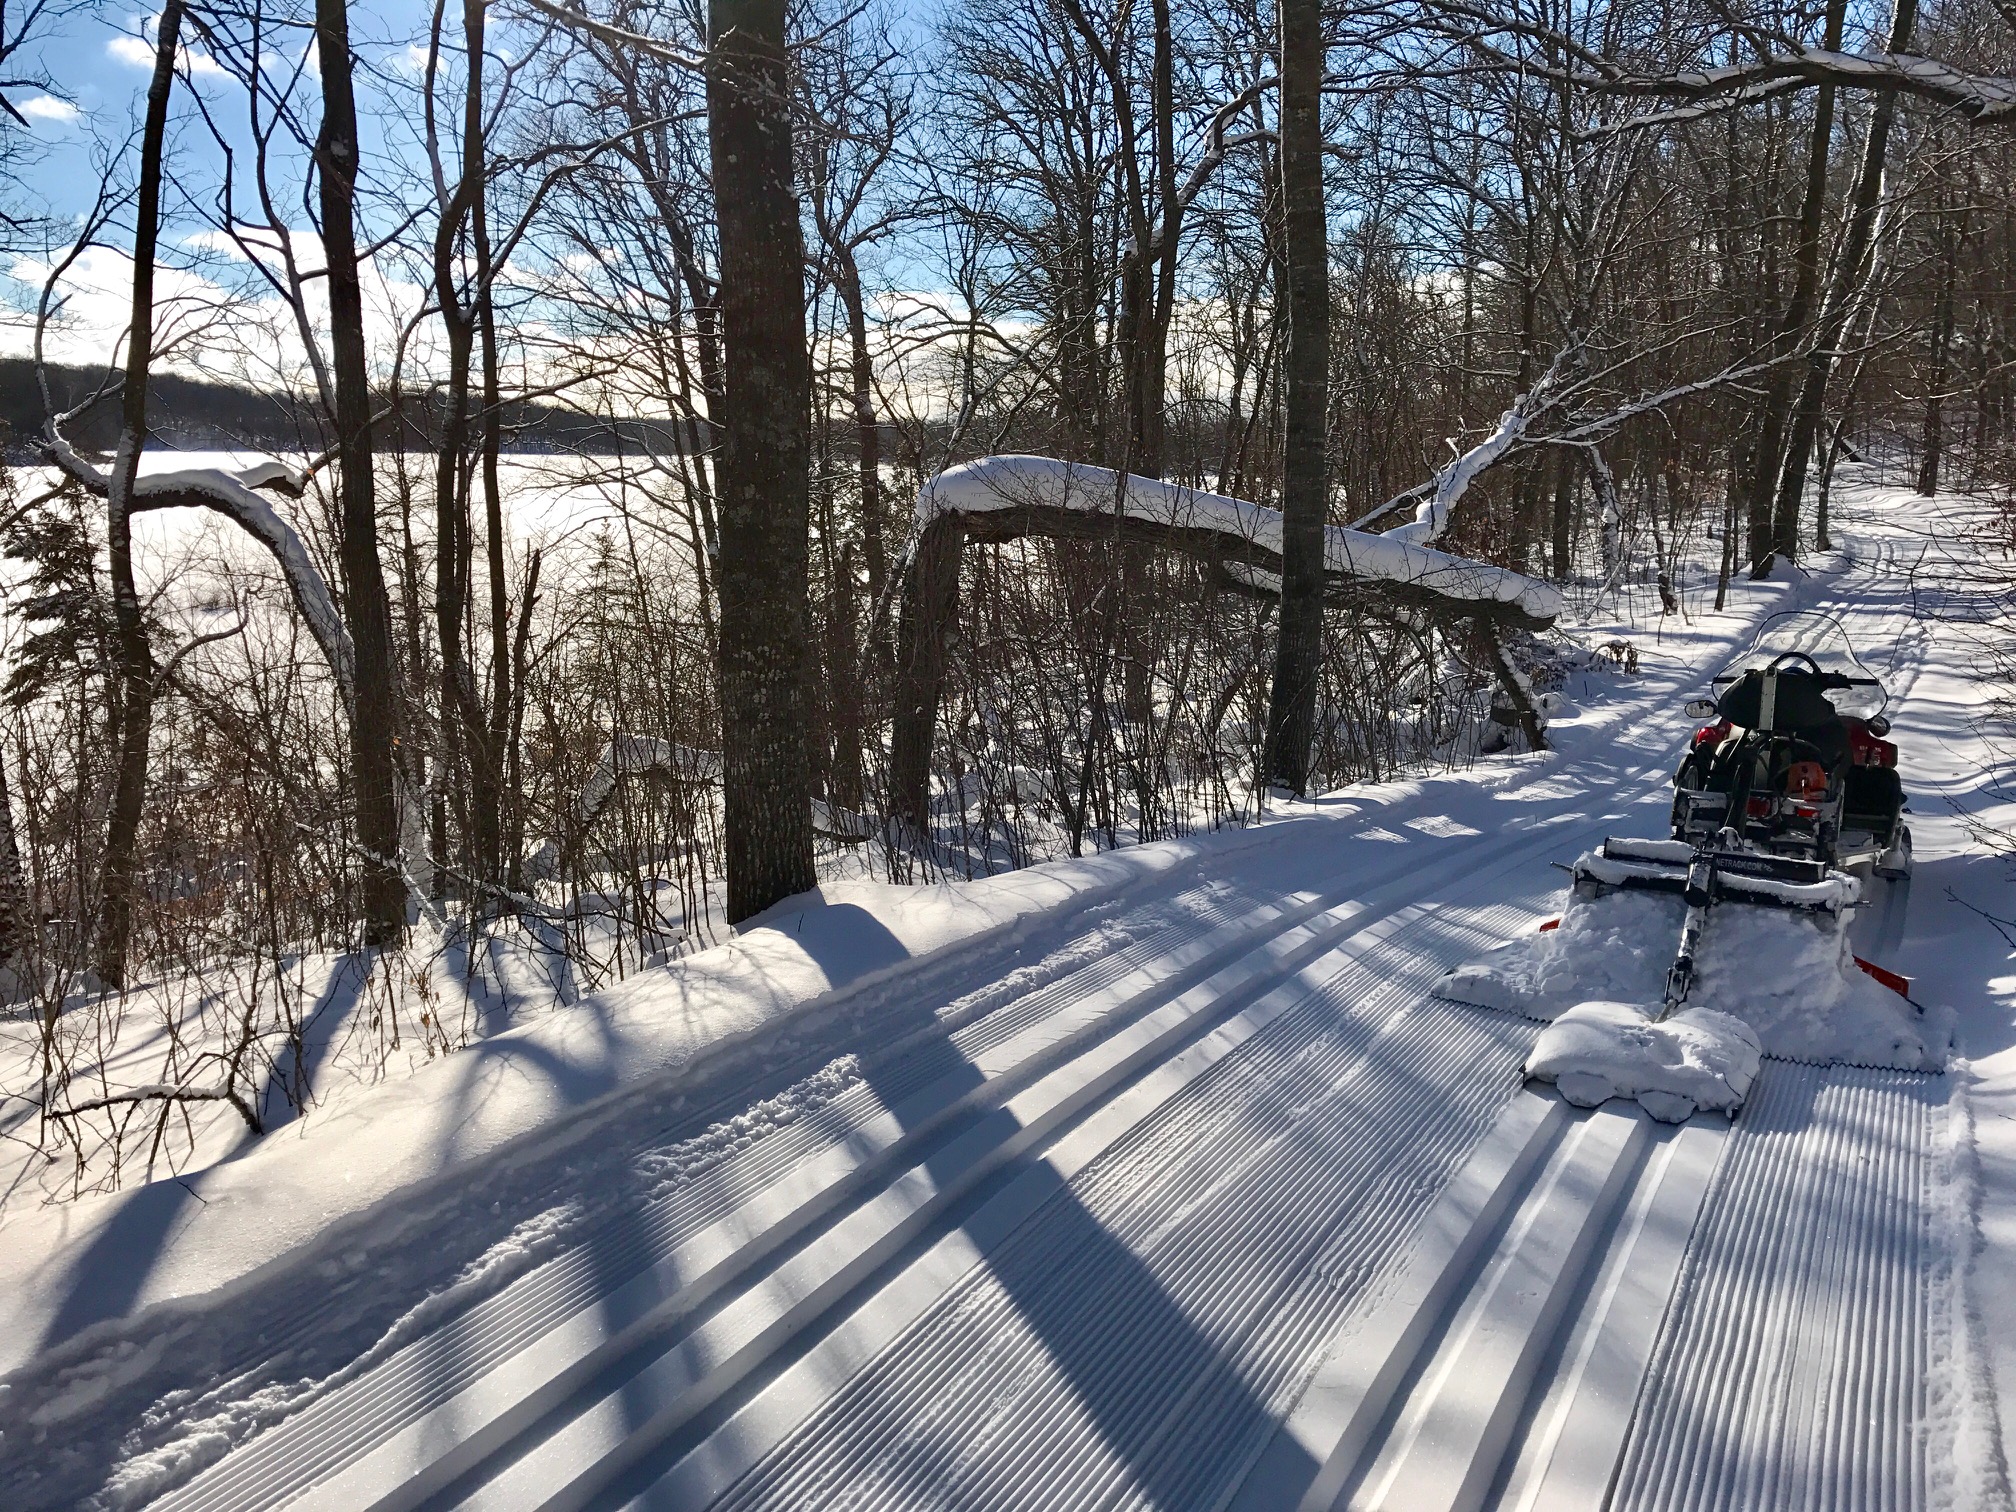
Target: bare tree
(1305, 498)
(764, 455)
(374, 713)
(136, 659)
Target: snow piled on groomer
(1769, 981)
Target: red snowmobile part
(1901, 985)
(1865, 749)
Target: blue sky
(98, 63)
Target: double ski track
(1235, 1216)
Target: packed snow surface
(1789, 975)
(1696, 1060)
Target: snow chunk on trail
(1697, 1060)
(1790, 976)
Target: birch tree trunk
(374, 719)
(762, 482)
(1291, 712)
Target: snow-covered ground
(1154, 1179)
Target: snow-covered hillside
(1152, 1179)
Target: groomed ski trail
(1232, 1216)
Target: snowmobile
(1796, 761)
(1787, 792)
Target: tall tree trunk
(1938, 369)
(867, 426)
(762, 474)
(374, 720)
(1846, 289)
(136, 659)
(1291, 711)
(853, 665)
(1564, 517)
(465, 726)
(930, 609)
(1153, 425)
(1733, 486)
(500, 824)
(1766, 508)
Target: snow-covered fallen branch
(1431, 519)
(236, 496)
(1002, 498)
(634, 755)
(162, 1092)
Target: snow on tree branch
(236, 497)
(1981, 98)
(1008, 496)
(632, 755)
(616, 36)
(1217, 144)
(1431, 519)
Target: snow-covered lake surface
(1154, 1179)
(548, 499)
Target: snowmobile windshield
(1806, 639)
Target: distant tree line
(192, 414)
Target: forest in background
(1591, 292)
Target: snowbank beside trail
(1696, 1060)
(99, 1259)
(1790, 976)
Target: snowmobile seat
(1799, 708)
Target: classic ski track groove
(1719, 1425)
(422, 1375)
(1232, 1217)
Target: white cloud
(222, 327)
(47, 108)
(139, 52)
(131, 50)
(410, 60)
(307, 244)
